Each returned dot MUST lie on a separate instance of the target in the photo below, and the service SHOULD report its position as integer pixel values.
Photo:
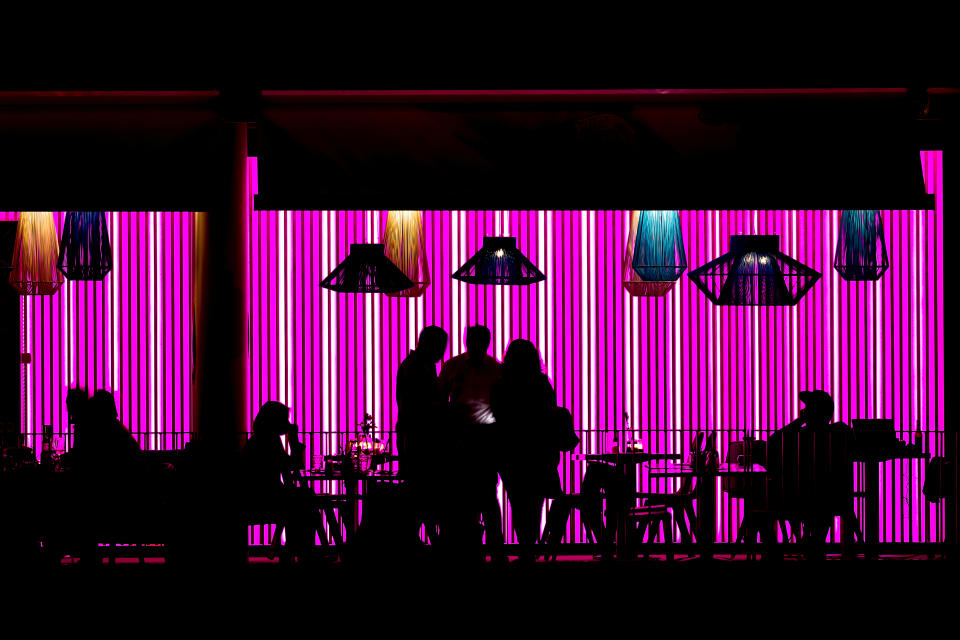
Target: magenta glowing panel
(130, 333)
(672, 364)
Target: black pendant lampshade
(754, 273)
(366, 270)
(85, 246)
(499, 262)
(861, 247)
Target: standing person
(467, 381)
(533, 431)
(421, 406)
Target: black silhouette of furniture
(346, 503)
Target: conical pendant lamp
(33, 268)
(861, 248)
(366, 270)
(654, 257)
(499, 262)
(754, 273)
(85, 246)
(404, 246)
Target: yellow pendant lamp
(36, 248)
(404, 246)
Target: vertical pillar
(220, 305)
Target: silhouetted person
(421, 411)
(116, 448)
(810, 470)
(533, 433)
(467, 380)
(269, 487)
(78, 415)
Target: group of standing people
(479, 419)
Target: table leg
(706, 514)
(871, 516)
(627, 500)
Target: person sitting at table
(534, 431)
(421, 409)
(466, 380)
(810, 473)
(78, 411)
(269, 487)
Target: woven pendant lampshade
(366, 270)
(654, 257)
(861, 248)
(754, 273)
(85, 246)
(33, 268)
(499, 262)
(404, 247)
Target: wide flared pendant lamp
(754, 273)
(404, 247)
(85, 246)
(366, 270)
(654, 256)
(861, 248)
(499, 262)
(33, 268)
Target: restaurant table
(351, 484)
(706, 493)
(626, 464)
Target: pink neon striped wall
(130, 333)
(672, 364)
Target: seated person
(270, 491)
(810, 471)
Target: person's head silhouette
(103, 407)
(477, 341)
(432, 343)
(272, 420)
(522, 359)
(818, 407)
(78, 405)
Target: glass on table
(317, 462)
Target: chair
(680, 503)
(590, 504)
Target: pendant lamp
(654, 258)
(404, 247)
(85, 246)
(499, 262)
(861, 248)
(366, 270)
(33, 268)
(754, 273)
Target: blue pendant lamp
(861, 248)
(85, 252)
(654, 257)
(754, 273)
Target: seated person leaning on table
(270, 490)
(810, 472)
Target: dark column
(220, 306)
(215, 531)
